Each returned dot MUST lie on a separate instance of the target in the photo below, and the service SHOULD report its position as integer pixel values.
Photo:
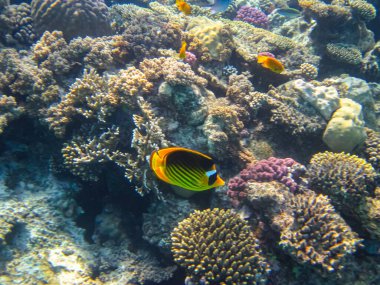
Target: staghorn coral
(73, 17)
(216, 246)
(87, 98)
(363, 9)
(19, 76)
(84, 155)
(16, 27)
(343, 53)
(8, 111)
(215, 36)
(346, 179)
(316, 235)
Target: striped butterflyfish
(186, 168)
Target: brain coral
(317, 235)
(73, 17)
(347, 179)
(217, 247)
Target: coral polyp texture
(217, 247)
(73, 17)
(317, 235)
(346, 179)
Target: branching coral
(73, 17)
(84, 155)
(363, 9)
(8, 110)
(88, 98)
(372, 149)
(344, 54)
(316, 235)
(147, 137)
(216, 246)
(347, 179)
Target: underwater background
(283, 95)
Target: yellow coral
(218, 247)
(213, 35)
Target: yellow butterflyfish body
(186, 168)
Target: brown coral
(8, 110)
(317, 235)
(216, 246)
(372, 148)
(73, 17)
(347, 179)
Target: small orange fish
(270, 63)
(183, 7)
(182, 51)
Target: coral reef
(8, 111)
(345, 130)
(73, 17)
(217, 246)
(372, 149)
(252, 16)
(344, 54)
(346, 179)
(317, 236)
(16, 26)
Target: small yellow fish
(186, 168)
(270, 63)
(183, 7)
(182, 51)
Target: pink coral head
(190, 58)
(267, 53)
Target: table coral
(216, 246)
(73, 17)
(318, 236)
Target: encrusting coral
(73, 17)
(317, 236)
(216, 246)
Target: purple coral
(253, 16)
(284, 170)
(190, 58)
